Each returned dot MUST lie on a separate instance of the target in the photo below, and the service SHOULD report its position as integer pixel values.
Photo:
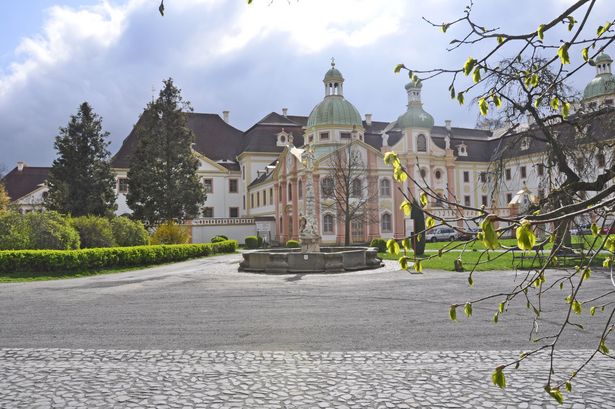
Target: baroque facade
(252, 176)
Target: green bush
(222, 236)
(252, 242)
(94, 231)
(51, 230)
(380, 244)
(171, 233)
(67, 261)
(14, 231)
(128, 232)
(293, 244)
(218, 239)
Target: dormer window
(525, 143)
(283, 139)
(462, 149)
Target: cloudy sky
(224, 55)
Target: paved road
(206, 304)
(172, 336)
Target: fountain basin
(328, 260)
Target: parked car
(469, 233)
(582, 229)
(606, 230)
(441, 234)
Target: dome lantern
(415, 116)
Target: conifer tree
(162, 179)
(80, 179)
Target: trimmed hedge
(94, 232)
(293, 244)
(55, 261)
(380, 244)
(252, 242)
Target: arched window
(290, 191)
(290, 225)
(280, 193)
(385, 188)
(357, 188)
(327, 187)
(328, 227)
(421, 143)
(300, 188)
(385, 223)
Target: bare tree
(571, 137)
(348, 192)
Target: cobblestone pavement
(43, 378)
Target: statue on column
(309, 235)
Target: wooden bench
(576, 251)
(537, 253)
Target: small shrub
(380, 244)
(51, 230)
(252, 242)
(128, 232)
(218, 239)
(293, 244)
(14, 231)
(170, 233)
(94, 231)
(222, 236)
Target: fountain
(310, 258)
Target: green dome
(415, 117)
(333, 75)
(334, 110)
(602, 58)
(414, 84)
(603, 84)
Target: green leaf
(526, 239)
(423, 199)
(467, 309)
(587, 273)
(418, 267)
(555, 104)
(500, 39)
(453, 93)
(557, 395)
(566, 110)
(568, 386)
(483, 106)
(592, 311)
(444, 27)
(398, 68)
(469, 66)
(571, 22)
(460, 98)
(496, 318)
(453, 312)
(497, 100)
(399, 174)
(595, 230)
(603, 29)
(498, 377)
(406, 207)
(562, 53)
(390, 158)
(430, 222)
(393, 247)
(470, 280)
(603, 348)
(476, 75)
(406, 244)
(489, 236)
(501, 307)
(403, 262)
(607, 262)
(585, 53)
(576, 307)
(541, 31)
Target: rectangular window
(466, 176)
(540, 169)
(508, 198)
(233, 186)
(244, 202)
(233, 212)
(258, 199)
(271, 196)
(208, 212)
(345, 135)
(324, 136)
(208, 185)
(251, 200)
(243, 172)
(483, 177)
(466, 200)
(484, 200)
(523, 172)
(122, 185)
(508, 177)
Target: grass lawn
(491, 260)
